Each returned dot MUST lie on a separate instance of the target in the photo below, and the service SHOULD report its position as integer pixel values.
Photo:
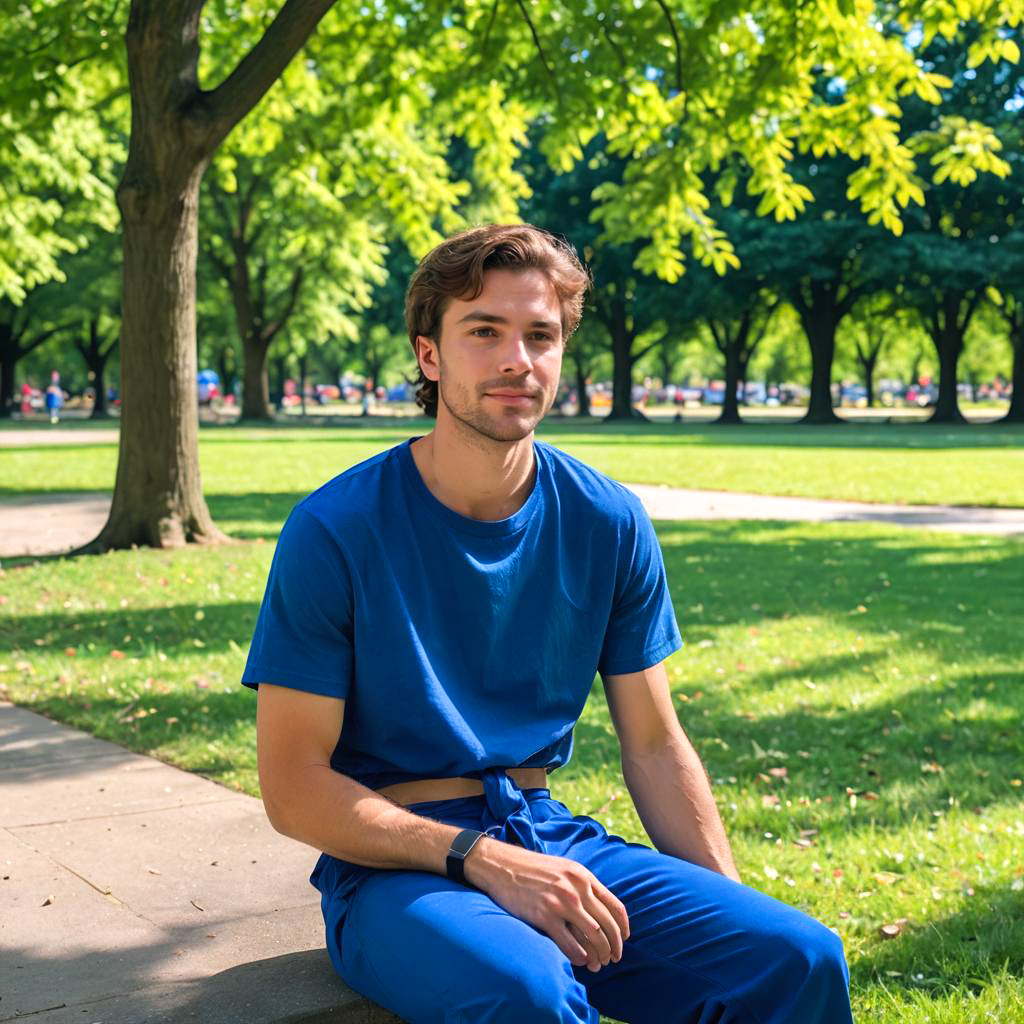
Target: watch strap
(459, 850)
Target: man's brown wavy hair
(455, 270)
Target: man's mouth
(510, 397)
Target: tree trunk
(582, 398)
(820, 329)
(95, 359)
(99, 386)
(8, 362)
(947, 335)
(280, 374)
(175, 129)
(255, 382)
(730, 407)
(622, 365)
(868, 366)
(1015, 414)
(158, 497)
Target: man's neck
(473, 475)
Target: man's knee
(542, 993)
(811, 970)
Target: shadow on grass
(960, 952)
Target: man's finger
(615, 907)
(609, 929)
(599, 946)
(565, 939)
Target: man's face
(500, 356)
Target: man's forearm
(334, 813)
(672, 795)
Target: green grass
(253, 475)
(855, 690)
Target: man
(432, 625)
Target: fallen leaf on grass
(932, 768)
(885, 877)
(770, 872)
(117, 654)
(70, 652)
(778, 773)
(890, 931)
(769, 800)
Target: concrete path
(135, 893)
(59, 522)
(676, 503)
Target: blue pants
(702, 949)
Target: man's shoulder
(581, 484)
(348, 497)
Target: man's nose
(515, 358)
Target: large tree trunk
(176, 128)
(1015, 414)
(158, 497)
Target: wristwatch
(461, 845)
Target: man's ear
(427, 356)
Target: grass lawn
(855, 690)
(253, 475)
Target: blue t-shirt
(460, 645)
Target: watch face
(464, 841)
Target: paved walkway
(60, 522)
(135, 893)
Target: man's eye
(482, 331)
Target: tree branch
(972, 306)
(678, 45)
(45, 336)
(271, 329)
(647, 348)
(540, 51)
(260, 68)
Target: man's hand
(556, 895)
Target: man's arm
(306, 799)
(663, 773)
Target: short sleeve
(303, 636)
(642, 629)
